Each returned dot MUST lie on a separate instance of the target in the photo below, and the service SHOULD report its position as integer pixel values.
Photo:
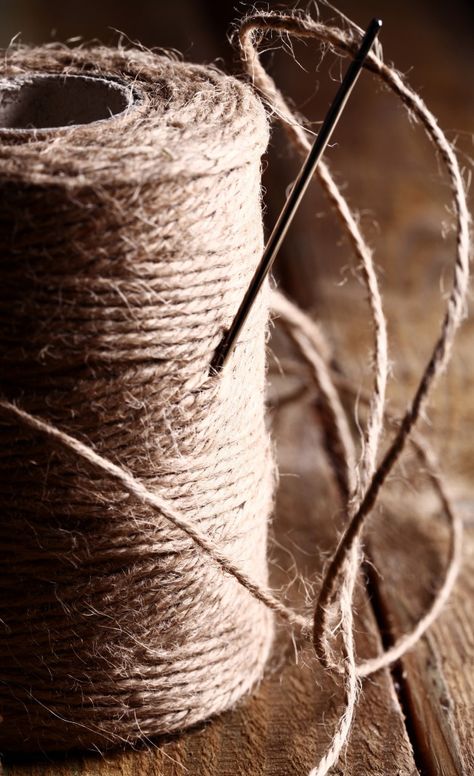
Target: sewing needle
(290, 207)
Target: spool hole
(51, 101)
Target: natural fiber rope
(126, 248)
(344, 567)
(344, 564)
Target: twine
(127, 246)
(359, 482)
(361, 499)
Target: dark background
(392, 176)
(197, 28)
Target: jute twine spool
(135, 489)
(127, 244)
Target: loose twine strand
(359, 483)
(344, 564)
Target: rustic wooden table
(418, 717)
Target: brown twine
(191, 393)
(345, 562)
(126, 248)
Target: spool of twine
(127, 243)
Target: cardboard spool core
(49, 101)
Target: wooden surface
(419, 717)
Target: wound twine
(141, 487)
(127, 246)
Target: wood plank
(438, 675)
(409, 547)
(285, 725)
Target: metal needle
(285, 218)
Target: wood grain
(408, 546)
(438, 675)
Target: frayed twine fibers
(126, 247)
(155, 509)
